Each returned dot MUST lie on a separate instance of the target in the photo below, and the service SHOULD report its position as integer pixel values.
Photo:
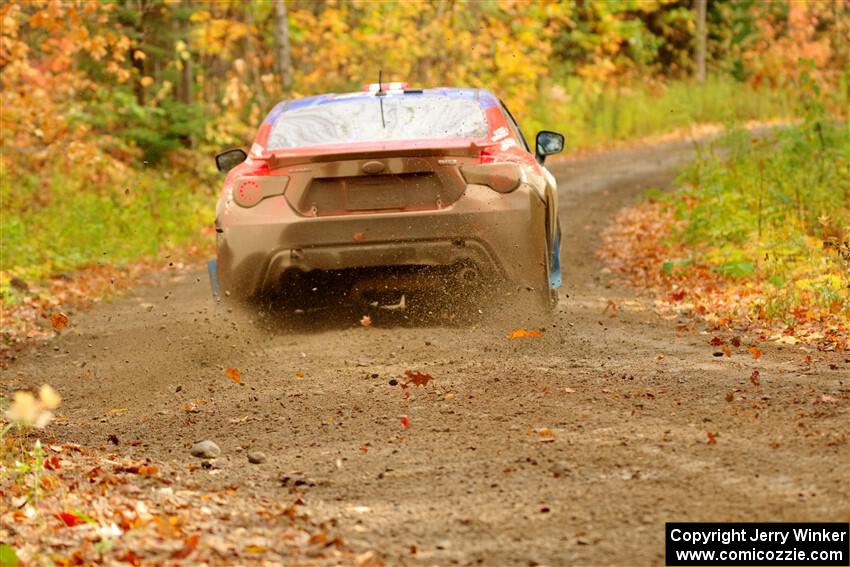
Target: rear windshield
(406, 117)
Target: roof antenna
(381, 94)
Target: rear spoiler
(459, 147)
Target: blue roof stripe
(485, 98)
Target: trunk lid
(373, 178)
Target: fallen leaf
(189, 545)
(712, 437)
(131, 558)
(405, 421)
(729, 396)
(52, 463)
(69, 519)
(754, 378)
(521, 333)
(659, 356)
(542, 432)
(118, 411)
(755, 352)
(678, 295)
(8, 556)
(300, 374)
(49, 482)
(736, 342)
(417, 378)
(254, 549)
(233, 374)
(59, 321)
(449, 397)
(727, 351)
(366, 321)
(717, 341)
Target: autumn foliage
(757, 241)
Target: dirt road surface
(571, 448)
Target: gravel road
(570, 448)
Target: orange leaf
(521, 332)
(677, 295)
(254, 549)
(712, 438)
(417, 378)
(189, 546)
(69, 519)
(727, 351)
(300, 374)
(59, 321)
(52, 463)
(405, 421)
(233, 374)
(754, 378)
(755, 352)
(366, 321)
(131, 558)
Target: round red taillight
(247, 193)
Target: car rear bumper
(501, 235)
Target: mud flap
(555, 279)
(215, 287)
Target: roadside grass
(757, 236)
(61, 220)
(601, 117)
(780, 206)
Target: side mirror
(228, 159)
(548, 143)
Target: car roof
(485, 98)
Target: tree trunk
(186, 86)
(700, 6)
(252, 57)
(284, 59)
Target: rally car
(389, 192)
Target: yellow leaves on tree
(42, 82)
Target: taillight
(248, 191)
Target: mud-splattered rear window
(406, 117)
